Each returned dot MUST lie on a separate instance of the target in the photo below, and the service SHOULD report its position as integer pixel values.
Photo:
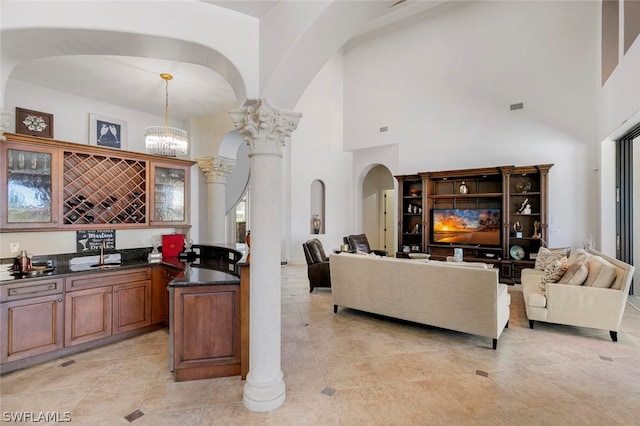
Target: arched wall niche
(317, 206)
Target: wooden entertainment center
(501, 215)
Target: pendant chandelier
(165, 140)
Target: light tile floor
(352, 368)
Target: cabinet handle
(59, 300)
(109, 292)
(55, 221)
(115, 291)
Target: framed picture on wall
(107, 131)
(34, 123)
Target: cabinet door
(207, 326)
(29, 186)
(131, 306)
(87, 315)
(162, 275)
(170, 197)
(31, 327)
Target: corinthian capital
(264, 126)
(216, 169)
(5, 117)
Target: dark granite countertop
(202, 276)
(62, 271)
(130, 259)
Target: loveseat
(461, 297)
(596, 301)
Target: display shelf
(509, 189)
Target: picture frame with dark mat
(107, 131)
(34, 123)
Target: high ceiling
(195, 90)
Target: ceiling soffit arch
(310, 47)
(21, 45)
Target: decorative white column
(265, 129)
(216, 169)
(5, 117)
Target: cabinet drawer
(100, 279)
(28, 289)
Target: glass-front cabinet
(169, 186)
(29, 181)
(47, 184)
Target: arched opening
(317, 207)
(378, 207)
(237, 194)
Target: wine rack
(103, 190)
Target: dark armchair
(317, 264)
(361, 243)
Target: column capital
(216, 169)
(264, 126)
(5, 117)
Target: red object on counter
(172, 245)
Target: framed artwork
(107, 131)
(34, 123)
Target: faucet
(102, 256)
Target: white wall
(443, 87)
(619, 97)
(316, 153)
(71, 113)
(618, 106)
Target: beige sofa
(460, 297)
(579, 305)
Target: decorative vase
(316, 224)
(463, 188)
(248, 239)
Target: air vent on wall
(514, 107)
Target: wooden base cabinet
(206, 330)
(162, 275)
(31, 327)
(101, 311)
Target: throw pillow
(547, 256)
(601, 273)
(554, 271)
(576, 254)
(577, 271)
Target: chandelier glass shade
(165, 140)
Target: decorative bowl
(516, 252)
(415, 192)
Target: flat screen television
(466, 226)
